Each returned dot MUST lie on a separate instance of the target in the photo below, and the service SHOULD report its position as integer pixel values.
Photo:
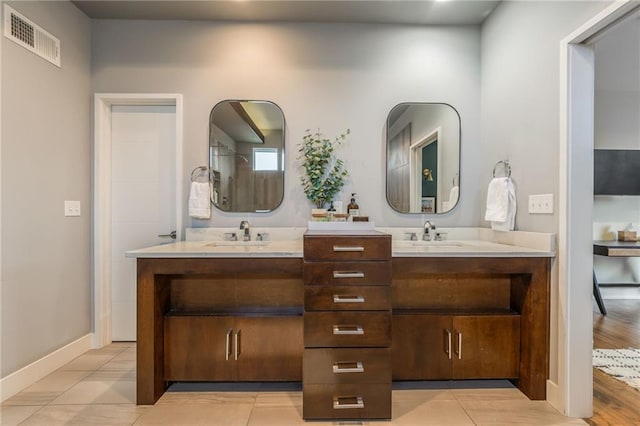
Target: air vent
(29, 35)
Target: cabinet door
(269, 348)
(199, 348)
(486, 347)
(420, 348)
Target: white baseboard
(554, 396)
(26, 376)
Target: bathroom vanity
(454, 310)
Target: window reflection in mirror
(246, 155)
(423, 158)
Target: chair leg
(598, 295)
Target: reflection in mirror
(423, 158)
(246, 156)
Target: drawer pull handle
(227, 348)
(347, 299)
(348, 367)
(348, 274)
(347, 329)
(348, 248)
(342, 402)
(459, 350)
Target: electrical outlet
(72, 208)
(541, 204)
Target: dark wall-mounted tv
(616, 172)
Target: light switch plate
(71, 208)
(541, 204)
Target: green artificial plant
(325, 173)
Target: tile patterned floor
(98, 388)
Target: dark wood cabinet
(472, 318)
(444, 347)
(419, 347)
(230, 348)
(218, 319)
(198, 348)
(347, 326)
(270, 348)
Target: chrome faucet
(429, 231)
(247, 235)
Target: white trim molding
(575, 331)
(102, 196)
(26, 376)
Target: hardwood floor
(615, 403)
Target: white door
(143, 182)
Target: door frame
(573, 394)
(102, 196)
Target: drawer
(347, 365)
(347, 273)
(347, 329)
(347, 247)
(347, 298)
(346, 401)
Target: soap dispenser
(353, 209)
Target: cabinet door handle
(348, 248)
(348, 367)
(459, 351)
(448, 343)
(342, 402)
(347, 329)
(347, 299)
(227, 347)
(236, 345)
(348, 274)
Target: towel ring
(196, 173)
(506, 167)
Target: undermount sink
(439, 244)
(237, 243)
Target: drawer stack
(347, 326)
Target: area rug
(623, 364)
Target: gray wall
(326, 76)
(520, 95)
(520, 111)
(45, 160)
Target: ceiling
(416, 12)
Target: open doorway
(575, 242)
(616, 207)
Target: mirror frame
(281, 157)
(386, 156)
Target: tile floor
(98, 388)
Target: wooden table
(612, 249)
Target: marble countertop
(468, 242)
(280, 248)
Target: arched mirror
(423, 158)
(246, 155)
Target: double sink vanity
(345, 312)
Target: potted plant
(324, 173)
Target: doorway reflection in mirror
(423, 157)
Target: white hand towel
(501, 204)
(453, 196)
(199, 202)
